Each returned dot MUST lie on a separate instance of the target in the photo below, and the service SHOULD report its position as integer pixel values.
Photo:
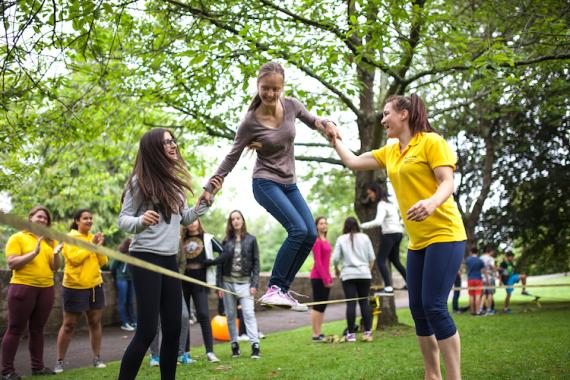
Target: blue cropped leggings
(431, 274)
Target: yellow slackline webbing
(21, 224)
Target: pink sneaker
(275, 297)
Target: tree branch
(351, 43)
(557, 57)
(332, 161)
(212, 19)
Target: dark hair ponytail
(76, 217)
(265, 70)
(351, 227)
(380, 191)
(418, 118)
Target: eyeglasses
(169, 142)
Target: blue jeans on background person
(126, 301)
(431, 274)
(286, 204)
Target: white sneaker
(243, 338)
(98, 363)
(212, 357)
(127, 327)
(388, 289)
(295, 305)
(275, 297)
(58, 367)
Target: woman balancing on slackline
(420, 166)
(270, 124)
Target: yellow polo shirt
(82, 267)
(413, 179)
(37, 272)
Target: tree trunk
(371, 137)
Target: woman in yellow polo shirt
(82, 289)
(33, 260)
(420, 166)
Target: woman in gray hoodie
(153, 208)
(354, 251)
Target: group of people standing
(420, 166)
(482, 273)
(34, 260)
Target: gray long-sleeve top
(162, 238)
(276, 158)
(355, 256)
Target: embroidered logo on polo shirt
(411, 159)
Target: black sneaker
(235, 350)
(42, 372)
(319, 338)
(255, 351)
(525, 293)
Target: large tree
(192, 60)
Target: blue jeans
(126, 304)
(286, 204)
(431, 274)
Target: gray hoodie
(355, 256)
(162, 238)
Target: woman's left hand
(421, 210)
(253, 291)
(331, 131)
(216, 182)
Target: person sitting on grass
(509, 277)
(474, 280)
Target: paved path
(115, 340)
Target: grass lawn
(532, 343)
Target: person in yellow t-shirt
(420, 167)
(82, 289)
(33, 260)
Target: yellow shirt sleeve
(380, 156)
(13, 247)
(438, 152)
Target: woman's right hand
(150, 218)
(38, 245)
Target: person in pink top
(321, 278)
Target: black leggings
(358, 287)
(157, 294)
(320, 293)
(390, 250)
(200, 297)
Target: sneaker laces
(288, 295)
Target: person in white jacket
(388, 218)
(353, 250)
